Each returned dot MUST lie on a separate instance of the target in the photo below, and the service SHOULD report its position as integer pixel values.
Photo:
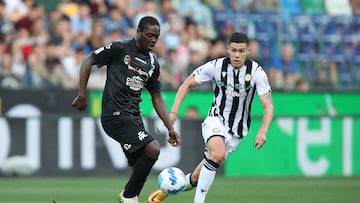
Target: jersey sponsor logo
(237, 86)
(135, 83)
(127, 59)
(127, 146)
(139, 59)
(142, 135)
(234, 93)
(138, 70)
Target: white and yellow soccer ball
(171, 180)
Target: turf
(224, 190)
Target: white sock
(188, 185)
(206, 178)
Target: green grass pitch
(224, 190)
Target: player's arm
(85, 69)
(100, 57)
(160, 108)
(268, 105)
(182, 92)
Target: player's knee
(217, 157)
(152, 149)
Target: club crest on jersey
(247, 77)
(127, 59)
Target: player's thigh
(216, 147)
(212, 126)
(131, 135)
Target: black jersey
(128, 72)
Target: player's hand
(174, 138)
(260, 140)
(173, 117)
(80, 103)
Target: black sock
(141, 170)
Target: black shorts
(129, 132)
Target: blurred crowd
(304, 45)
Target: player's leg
(142, 163)
(141, 152)
(213, 160)
(192, 178)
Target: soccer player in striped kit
(235, 80)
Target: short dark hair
(238, 37)
(146, 22)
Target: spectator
(15, 9)
(264, 6)
(116, 21)
(192, 112)
(322, 82)
(62, 31)
(222, 17)
(241, 5)
(201, 14)
(355, 7)
(36, 75)
(171, 30)
(8, 79)
(171, 73)
(82, 21)
(301, 85)
(99, 8)
(217, 50)
(338, 7)
(57, 76)
(97, 37)
(286, 67)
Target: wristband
(173, 113)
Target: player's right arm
(200, 75)
(80, 101)
(183, 90)
(101, 56)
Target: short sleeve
(261, 81)
(205, 72)
(153, 83)
(104, 55)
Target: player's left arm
(264, 92)
(154, 87)
(161, 110)
(268, 105)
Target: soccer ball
(171, 180)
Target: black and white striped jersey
(234, 90)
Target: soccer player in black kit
(131, 66)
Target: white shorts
(213, 126)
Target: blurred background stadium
(309, 48)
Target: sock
(206, 178)
(141, 170)
(189, 185)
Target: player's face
(237, 53)
(148, 37)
